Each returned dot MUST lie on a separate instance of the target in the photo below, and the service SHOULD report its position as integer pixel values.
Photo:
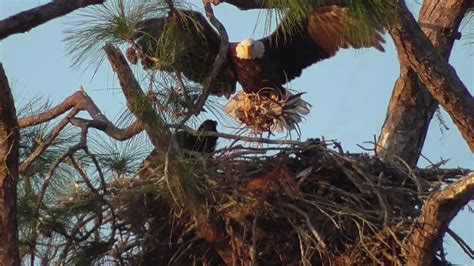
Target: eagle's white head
(250, 49)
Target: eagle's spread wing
(321, 35)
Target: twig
(315, 233)
(307, 144)
(261, 4)
(75, 103)
(38, 151)
(464, 246)
(220, 59)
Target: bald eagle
(262, 66)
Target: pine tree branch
(138, 103)
(434, 72)
(411, 106)
(9, 156)
(41, 147)
(79, 101)
(440, 208)
(26, 20)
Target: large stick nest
(300, 206)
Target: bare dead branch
(9, 156)
(107, 127)
(261, 4)
(26, 20)
(52, 169)
(462, 244)
(307, 220)
(83, 174)
(220, 59)
(81, 101)
(248, 139)
(77, 102)
(241, 4)
(440, 208)
(437, 174)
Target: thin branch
(26, 20)
(77, 102)
(108, 128)
(81, 101)
(38, 151)
(52, 169)
(220, 59)
(261, 4)
(315, 233)
(440, 208)
(462, 244)
(442, 174)
(250, 139)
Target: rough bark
(412, 107)
(440, 208)
(9, 156)
(26, 20)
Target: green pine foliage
(114, 22)
(367, 13)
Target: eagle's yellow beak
(248, 51)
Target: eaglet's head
(250, 49)
(208, 125)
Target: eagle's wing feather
(320, 36)
(193, 33)
(196, 44)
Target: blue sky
(349, 92)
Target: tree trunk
(412, 106)
(9, 157)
